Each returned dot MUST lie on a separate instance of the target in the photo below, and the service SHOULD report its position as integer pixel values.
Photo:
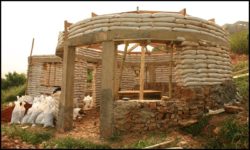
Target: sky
(22, 21)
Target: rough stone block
(152, 105)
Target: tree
(13, 79)
(239, 42)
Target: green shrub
(231, 136)
(12, 80)
(196, 128)
(239, 42)
(10, 94)
(71, 143)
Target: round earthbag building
(158, 68)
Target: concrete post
(107, 94)
(65, 118)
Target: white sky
(21, 21)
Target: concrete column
(107, 89)
(65, 118)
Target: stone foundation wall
(148, 115)
(188, 103)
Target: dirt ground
(88, 128)
(237, 58)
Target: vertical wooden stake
(29, 66)
(141, 95)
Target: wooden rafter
(133, 47)
(122, 64)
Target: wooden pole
(142, 72)
(29, 65)
(121, 68)
(170, 70)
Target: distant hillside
(236, 27)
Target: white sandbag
(124, 20)
(185, 30)
(26, 117)
(187, 56)
(201, 60)
(215, 75)
(164, 19)
(103, 17)
(34, 115)
(39, 118)
(190, 52)
(22, 110)
(48, 119)
(161, 28)
(185, 71)
(167, 15)
(123, 28)
(191, 22)
(191, 79)
(130, 15)
(206, 52)
(188, 61)
(146, 28)
(76, 113)
(165, 24)
(100, 25)
(88, 100)
(131, 24)
(16, 113)
(189, 43)
(145, 15)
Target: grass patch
(72, 143)
(10, 94)
(240, 65)
(242, 84)
(141, 144)
(152, 138)
(196, 128)
(232, 136)
(27, 135)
